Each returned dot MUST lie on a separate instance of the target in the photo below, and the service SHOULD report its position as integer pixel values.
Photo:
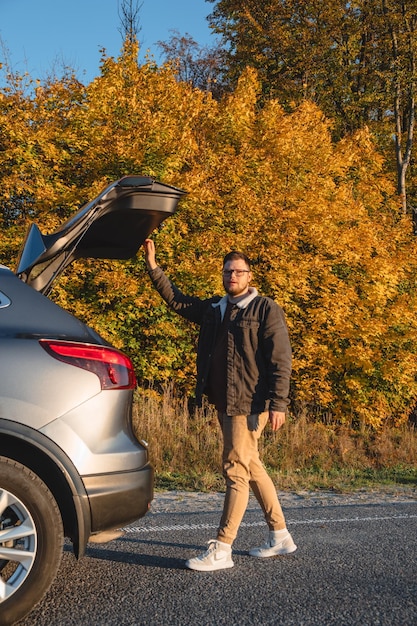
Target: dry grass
(185, 449)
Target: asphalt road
(355, 564)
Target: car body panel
(117, 499)
(97, 444)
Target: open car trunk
(112, 226)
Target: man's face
(236, 277)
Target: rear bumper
(119, 498)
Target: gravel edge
(188, 501)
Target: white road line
(342, 520)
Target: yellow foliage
(318, 218)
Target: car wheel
(31, 539)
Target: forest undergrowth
(305, 454)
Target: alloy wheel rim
(18, 543)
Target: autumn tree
(322, 51)
(199, 66)
(356, 60)
(304, 208)
(318, 217)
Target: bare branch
(130, 27)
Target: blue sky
(40, 35)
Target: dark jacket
(259, 351)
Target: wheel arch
(37, 452)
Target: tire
(30, 525)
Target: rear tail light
(114, 369)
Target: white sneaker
(218, 556)
(275, 544)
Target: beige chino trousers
(243, 468)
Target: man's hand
(149, 247)
(277, 419)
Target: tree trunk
(404, 101)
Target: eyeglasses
(238, 273)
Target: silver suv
(70, 465)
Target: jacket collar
(241, 304)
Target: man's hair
(234, 255)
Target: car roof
(112, 226)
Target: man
(244, 367)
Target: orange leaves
(144, 115)
(318, 218)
